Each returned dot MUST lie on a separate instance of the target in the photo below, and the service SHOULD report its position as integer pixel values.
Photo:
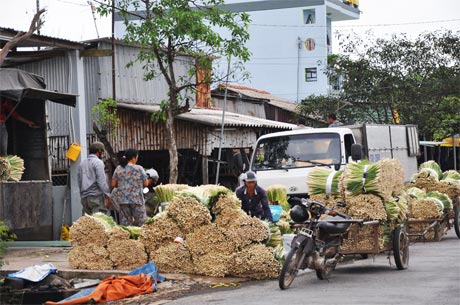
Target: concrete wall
(27, 208)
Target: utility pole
(38, 30)
(114, 95)
(38, 8)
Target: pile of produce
(430, 178)
(209, 247)
(430, 194)
(277, 194)
(363, 239)
(397, 209)
(384, 178)
(371, 191)
(165, 192)
(125, 253)
(323, 186)
(99, 244)
(11, 168)
(427, 205)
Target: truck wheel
(401, 248)
(457, 220)
(291, 267)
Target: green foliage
(5, 236)
(395, 79)
(105, 114)
(162, 114)
(180, 32)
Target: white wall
(277, 63)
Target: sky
(412, 17)
(73, 19)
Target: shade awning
(17, 85)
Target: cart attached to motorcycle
(368, 238)
(435, 229)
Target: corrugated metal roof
(260, 94)
(6, 34)
(213, 117)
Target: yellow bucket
(73, 152)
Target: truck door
(349, 140)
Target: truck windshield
(303, 150)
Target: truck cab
(288, 157)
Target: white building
(289, 41)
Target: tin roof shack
(197, 137)
(26, 206)
(251, 101)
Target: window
(348, 142)
(309, 17)
(294, 151)
(311, 75)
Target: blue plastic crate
(276, 212)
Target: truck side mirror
(356, 152)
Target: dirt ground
(175, 286)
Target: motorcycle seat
(327, 226)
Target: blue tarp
(34, 273)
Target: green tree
(166, 30)
(411, 81)
(5, 236)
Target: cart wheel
(457, 220)
(401, 248)
(325, 273)
(290, 268)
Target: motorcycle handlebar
(326, 210)
(335, 213)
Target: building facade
(290, 42)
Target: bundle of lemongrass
(323, 181)
(277, 194)
(166, 192)
(397, 209)
(11, 168)
(361, 178)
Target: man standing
(332, 120)
(94, 190)
(150, 204)
(253, 198)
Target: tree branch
(34, 25)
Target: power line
(354, 26)
(73, 3)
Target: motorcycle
(317, 242)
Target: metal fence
(58, 146)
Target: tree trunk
(102, 136)
(173, 156)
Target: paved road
(433, 278)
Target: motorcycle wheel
(457, 220)
(401, 248)
(326, 271)
(290, 268)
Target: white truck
(288, 157)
